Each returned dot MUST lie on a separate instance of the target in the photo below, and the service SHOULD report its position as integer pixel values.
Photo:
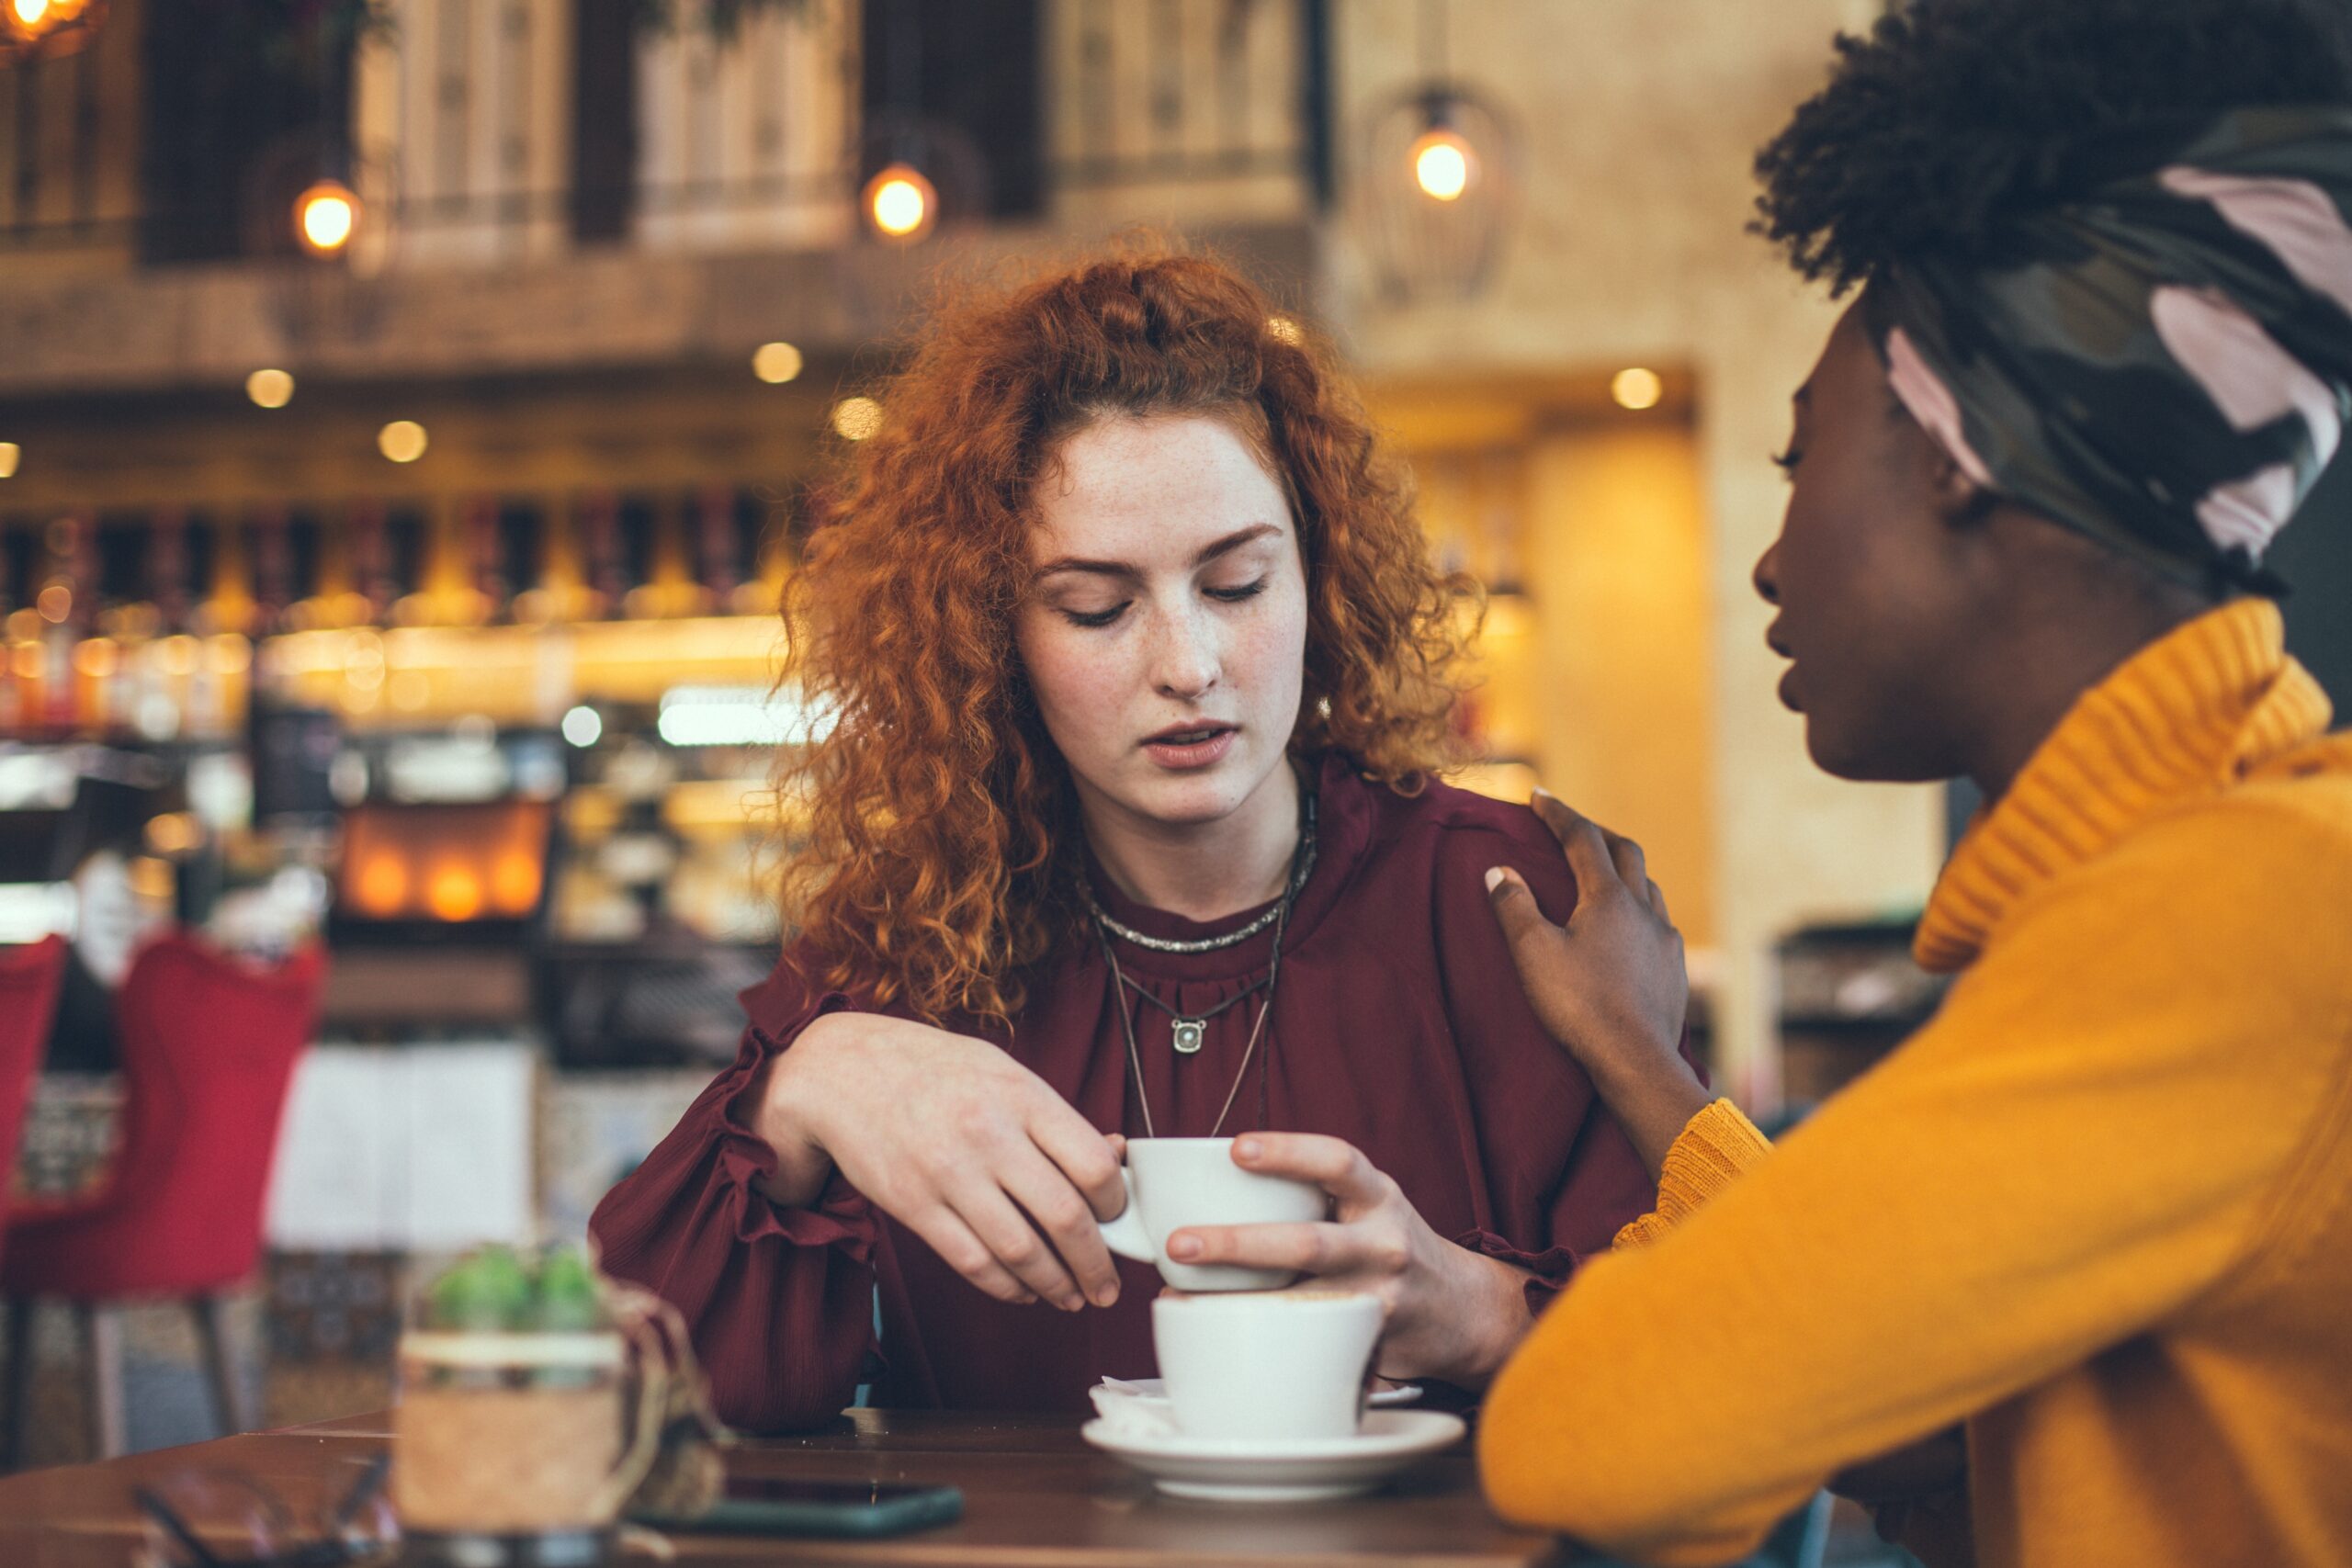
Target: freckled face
(1165, 632)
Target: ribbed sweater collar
(2197, 708)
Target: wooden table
(1034, 1494)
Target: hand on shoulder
(1609, 982)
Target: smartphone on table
(761, 1504)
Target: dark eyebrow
(1802, 396)
(1225, 546)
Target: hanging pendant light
(45, 29)
(900, 202)
(326, 216)
(912, 163)
(1436, 195)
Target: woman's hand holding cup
(1451, 1314)
(957, 1141)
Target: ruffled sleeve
(779, 1300)
(1547, 1271)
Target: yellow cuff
(1708, 1155)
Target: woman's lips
(1788, 683)
(1177, 750)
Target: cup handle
(1125, 1235)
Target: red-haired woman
(1126, 828)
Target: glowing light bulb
(453, 893)
(97, 657)
(1442, 165)
(900, 201)
(1636, 389)
(30, 14)
(402, 441)
(514, 883)
(324, 218)
(270, 388)
(776, 363)
(855, 419)
(383, 884)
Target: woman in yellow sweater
(2098, 1213)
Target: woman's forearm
(1654, 1100)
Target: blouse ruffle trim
(840, 1217)
(1548, 1270)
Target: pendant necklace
(1188, 1032)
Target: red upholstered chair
(28, 981)
(208, 1047)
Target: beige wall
(1617, 574)
(1638, 124)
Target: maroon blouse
(1399, 1026)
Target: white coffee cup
(1273, 1364)
(1175, 1182)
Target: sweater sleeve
(779, 1300)
(1710, 1154)
(2000, 1202)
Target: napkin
(1127, 1411)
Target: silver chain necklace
(1120, 983)
(1302, 867)
(1188, 1034)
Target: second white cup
(1277, 1365)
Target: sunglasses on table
(220, 1518)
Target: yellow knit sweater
(2100, 1208)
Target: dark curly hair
(1953, 115)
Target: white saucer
(1157, 1388)
(1286, 1469)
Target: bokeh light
(1636, 389)
(776, 363)
(270, 388)
(900, 202)
(403, 441)
(857, 419)
(326, 216)
(1442, 165)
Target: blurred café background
(406, 411)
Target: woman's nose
(1185, 660)
(1767, 576)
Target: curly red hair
(939, 815)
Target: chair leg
(16, 1418)
(102, 1364)
(217, 1368)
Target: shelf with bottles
(155, 626)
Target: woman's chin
(1191, 797)
(1190, 802)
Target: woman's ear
(1958, 499)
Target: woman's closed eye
(1103, 617)
(1787, 459)
(1111, 613)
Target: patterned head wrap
(2165, 363)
